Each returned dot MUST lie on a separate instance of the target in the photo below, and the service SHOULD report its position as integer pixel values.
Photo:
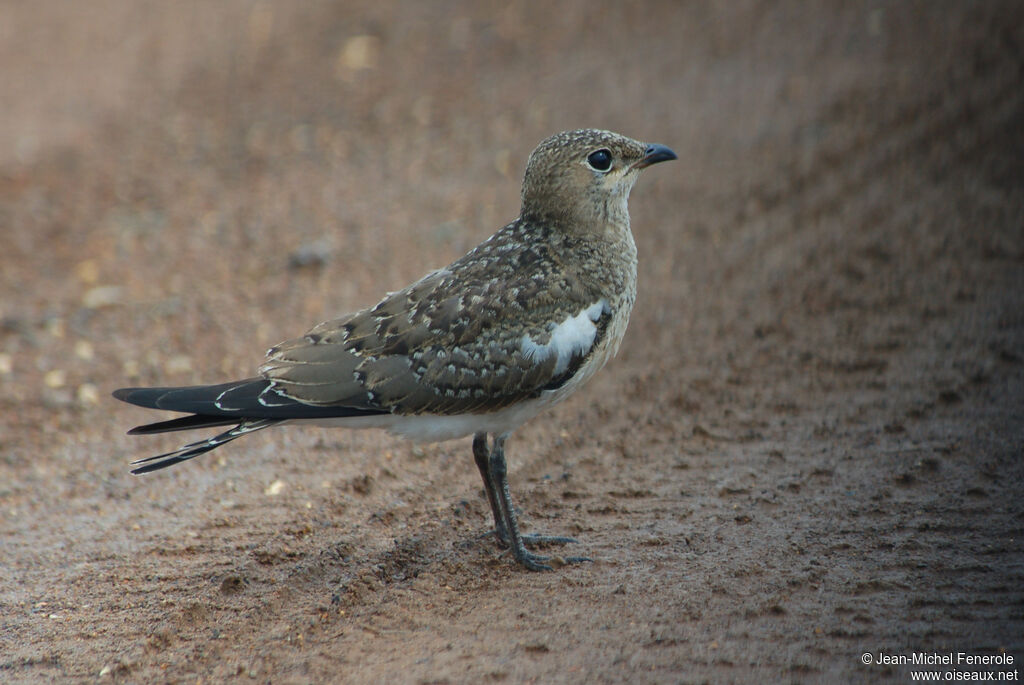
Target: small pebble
(55, 378)
(88, 394)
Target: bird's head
(580, 180)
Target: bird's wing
(226, 403)
(490, 330)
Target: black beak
(653, 154)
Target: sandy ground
(809, 447)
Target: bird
(476, 348)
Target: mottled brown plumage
(478, 347)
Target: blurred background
(809, 445)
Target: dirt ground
(809, 447)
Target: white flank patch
(573, 336)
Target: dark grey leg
(482, 456)
(501, 506)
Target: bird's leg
(497, 480)
(482, 456)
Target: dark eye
(600, 160)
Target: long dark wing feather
(250, 405)
(195, 399)
(250, 398)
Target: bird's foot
(534, 540)
(536, 562)
(539, 562)
(531, 540)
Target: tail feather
(249, 405)
(194, 449)
(183, 423)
